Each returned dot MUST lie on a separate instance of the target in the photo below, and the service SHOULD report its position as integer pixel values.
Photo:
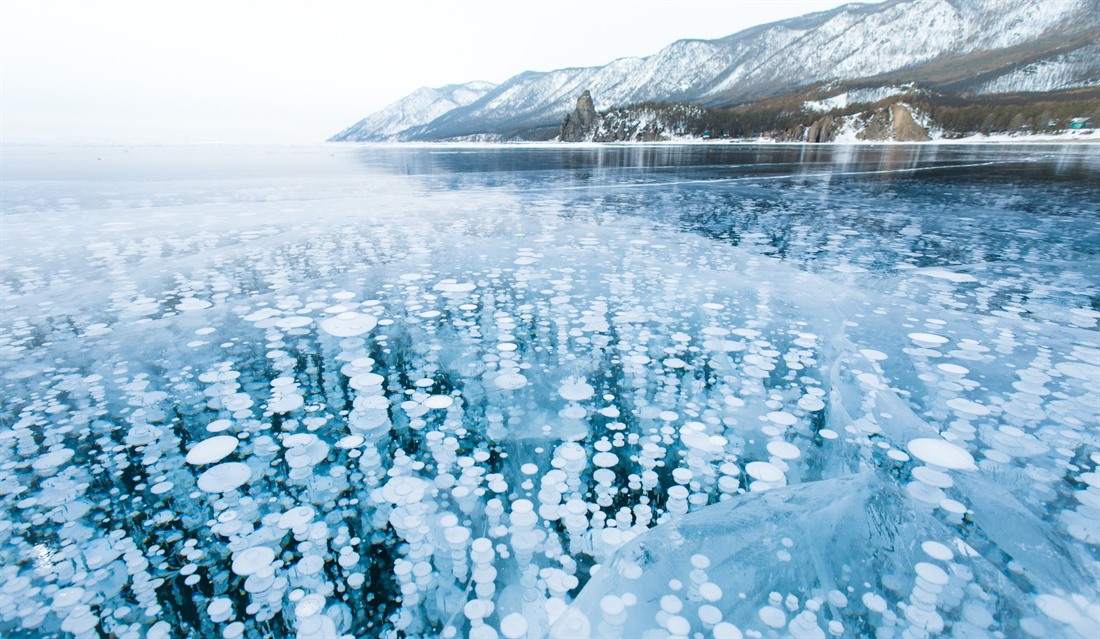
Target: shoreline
(1091, 137)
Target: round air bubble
(67, 597)
(612, 605)
(928, 339)
(937, 551)
(678, 626)
(932, 573)
(874, 602)
(364, 381)
(772, 617)
(218, 425)
(709, 614)
(309, 605)
(513, 626)
(764, 471)
(932, 477)
(811, 403)
(211, 450)
(349, 324)
(966, 407)
(224, 477)
(52, 459)
(439, 401)
(784, 450)
(941, 453)
(576, 390)
(605, 460)
(510, 381)
(1057, 608)
(252, 560)
(953, 369)
(726, 630)
(296, 517)
(710, 591)
(782, 418)
(451, 286)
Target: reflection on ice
(555, 393)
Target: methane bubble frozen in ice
(224, 477)
(510, 381)
(939, 452)
(928, 339)
(253, 560)
(349, 324)
(211, 450)
(784, 450)
(574, 389)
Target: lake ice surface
(522, 392)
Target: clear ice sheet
(617, 392)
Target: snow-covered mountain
(988, 45)
(416, 109)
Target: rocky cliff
(891, 123)
(581, 124)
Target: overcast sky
(278, 71)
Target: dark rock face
(877, 128)
(579, 125)
(823, 130)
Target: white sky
(280, 71)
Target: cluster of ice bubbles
(574, 433)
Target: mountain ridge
(901, 40)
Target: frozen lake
(638, 391)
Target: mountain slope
(993, 42)
(419, 108)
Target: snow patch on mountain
(1079, 68)
(855, 96)
(416, 109)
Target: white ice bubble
(212, 450)
(932, 573)
(726, 630)
(439, 401)
(605, 459)
(513, 626)
(252, 560)
(928, 339)
(574, 389)
(967, 407)
(764, 471)
(941, 453)
(937, 551)
(224, 477)
(782, 418)
(953, 369)
(784, 450)
(772, 616)
(510, 381)
(349, 324)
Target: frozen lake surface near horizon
(623, 391)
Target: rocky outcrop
(823, 130)
(905, 128)
(581, 124)
(892, 123)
